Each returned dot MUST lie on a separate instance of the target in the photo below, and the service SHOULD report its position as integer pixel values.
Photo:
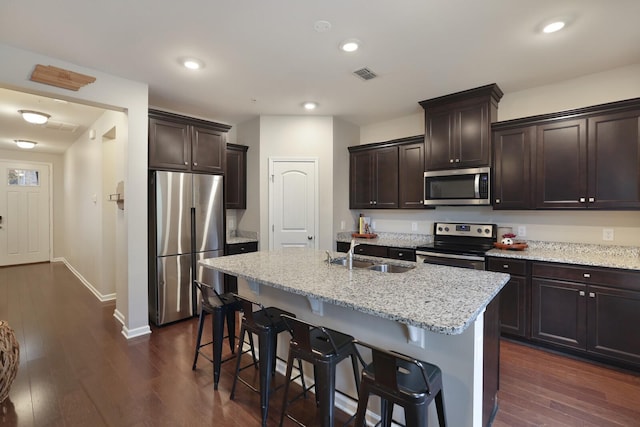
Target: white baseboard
(119, 316)
(137, 332)
(86, 283)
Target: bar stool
(220, 306)
(324, 349)
(266, 324)
(400, 380)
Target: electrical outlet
(373, 225)
(522, 231)
(414, 226)
(607, 234)
(342, 225)
(232, 224)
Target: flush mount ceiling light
(34, 117)
(350, 45)
(310, 105)
(192, 63)
(553, 27)
(27, 145)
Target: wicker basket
(9, 359)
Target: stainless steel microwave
(458, 187)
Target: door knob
(309, 237)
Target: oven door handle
(441, 255)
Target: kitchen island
(443, 315)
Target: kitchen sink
(384, 268)
(390, 268)
(356, 263)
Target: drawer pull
(400, 254)
(581, 293)
(586, 275)
(592, 295)
(505, 266)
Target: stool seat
(266, 323)
(324, 348)
(400, 380)
(221, 307)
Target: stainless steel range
(458, 244)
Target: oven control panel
(464, 229)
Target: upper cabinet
(186, 144)
(585, 158)
(235, 177)
(458, 128)
(387, 175)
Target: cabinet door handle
(497, 200)
(457, 160)
(370, 202)
(195, 163)
(586, 275)
(450, 160)
(592, 199)
(420, 201)
(592, 295)
(375, 202)
(582, 199)
(581, 293)
(186, 163)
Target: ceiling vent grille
(66, 127)
(365, 74)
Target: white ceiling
(265, 57)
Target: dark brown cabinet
(235, 177)
(458, 128)
(512, 171)
(231, 282)
(587, 309)
(411, 175)
(373, 178)
(514, 296)
(186, 144)
(405, 254)
(561, 164)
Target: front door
(24, 213)
(293, 203)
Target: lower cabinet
(514, 297)
(231, 282)
(405, 254)
(593, 310)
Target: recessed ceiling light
(27, 145)
(34, 117)
(553, 27)
(350, 45)
(192, 63)
(310, 105)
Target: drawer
(241, 248)
(342, 246)
(590, 275)
(371, 250)
(506, 265)
(402, 253)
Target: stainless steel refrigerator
(186, 225)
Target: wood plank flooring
(76, 369)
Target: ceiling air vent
(66, 127)
(365, 73)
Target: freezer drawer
(174, 289)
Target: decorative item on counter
(364, 225)
(508, 242)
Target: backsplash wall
(550, 226)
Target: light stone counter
(575, 253)
(240, 236)
(436, 298)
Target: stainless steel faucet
(350, 254)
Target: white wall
(120, 94)
(566, 226)
(298, 136)
(57, 169)
(248, 133)
(345, 134)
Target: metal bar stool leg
(285, 402)
(199, 339)
(363, 401)
(217, 326)
(266, 363)
(325, 389)
(238, 357)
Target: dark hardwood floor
(76, 369)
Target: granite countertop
(437, 298)
(396, 240)
(625, 257)
(241, 236)
(236, 239)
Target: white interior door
(24, 212)
(293, 203)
